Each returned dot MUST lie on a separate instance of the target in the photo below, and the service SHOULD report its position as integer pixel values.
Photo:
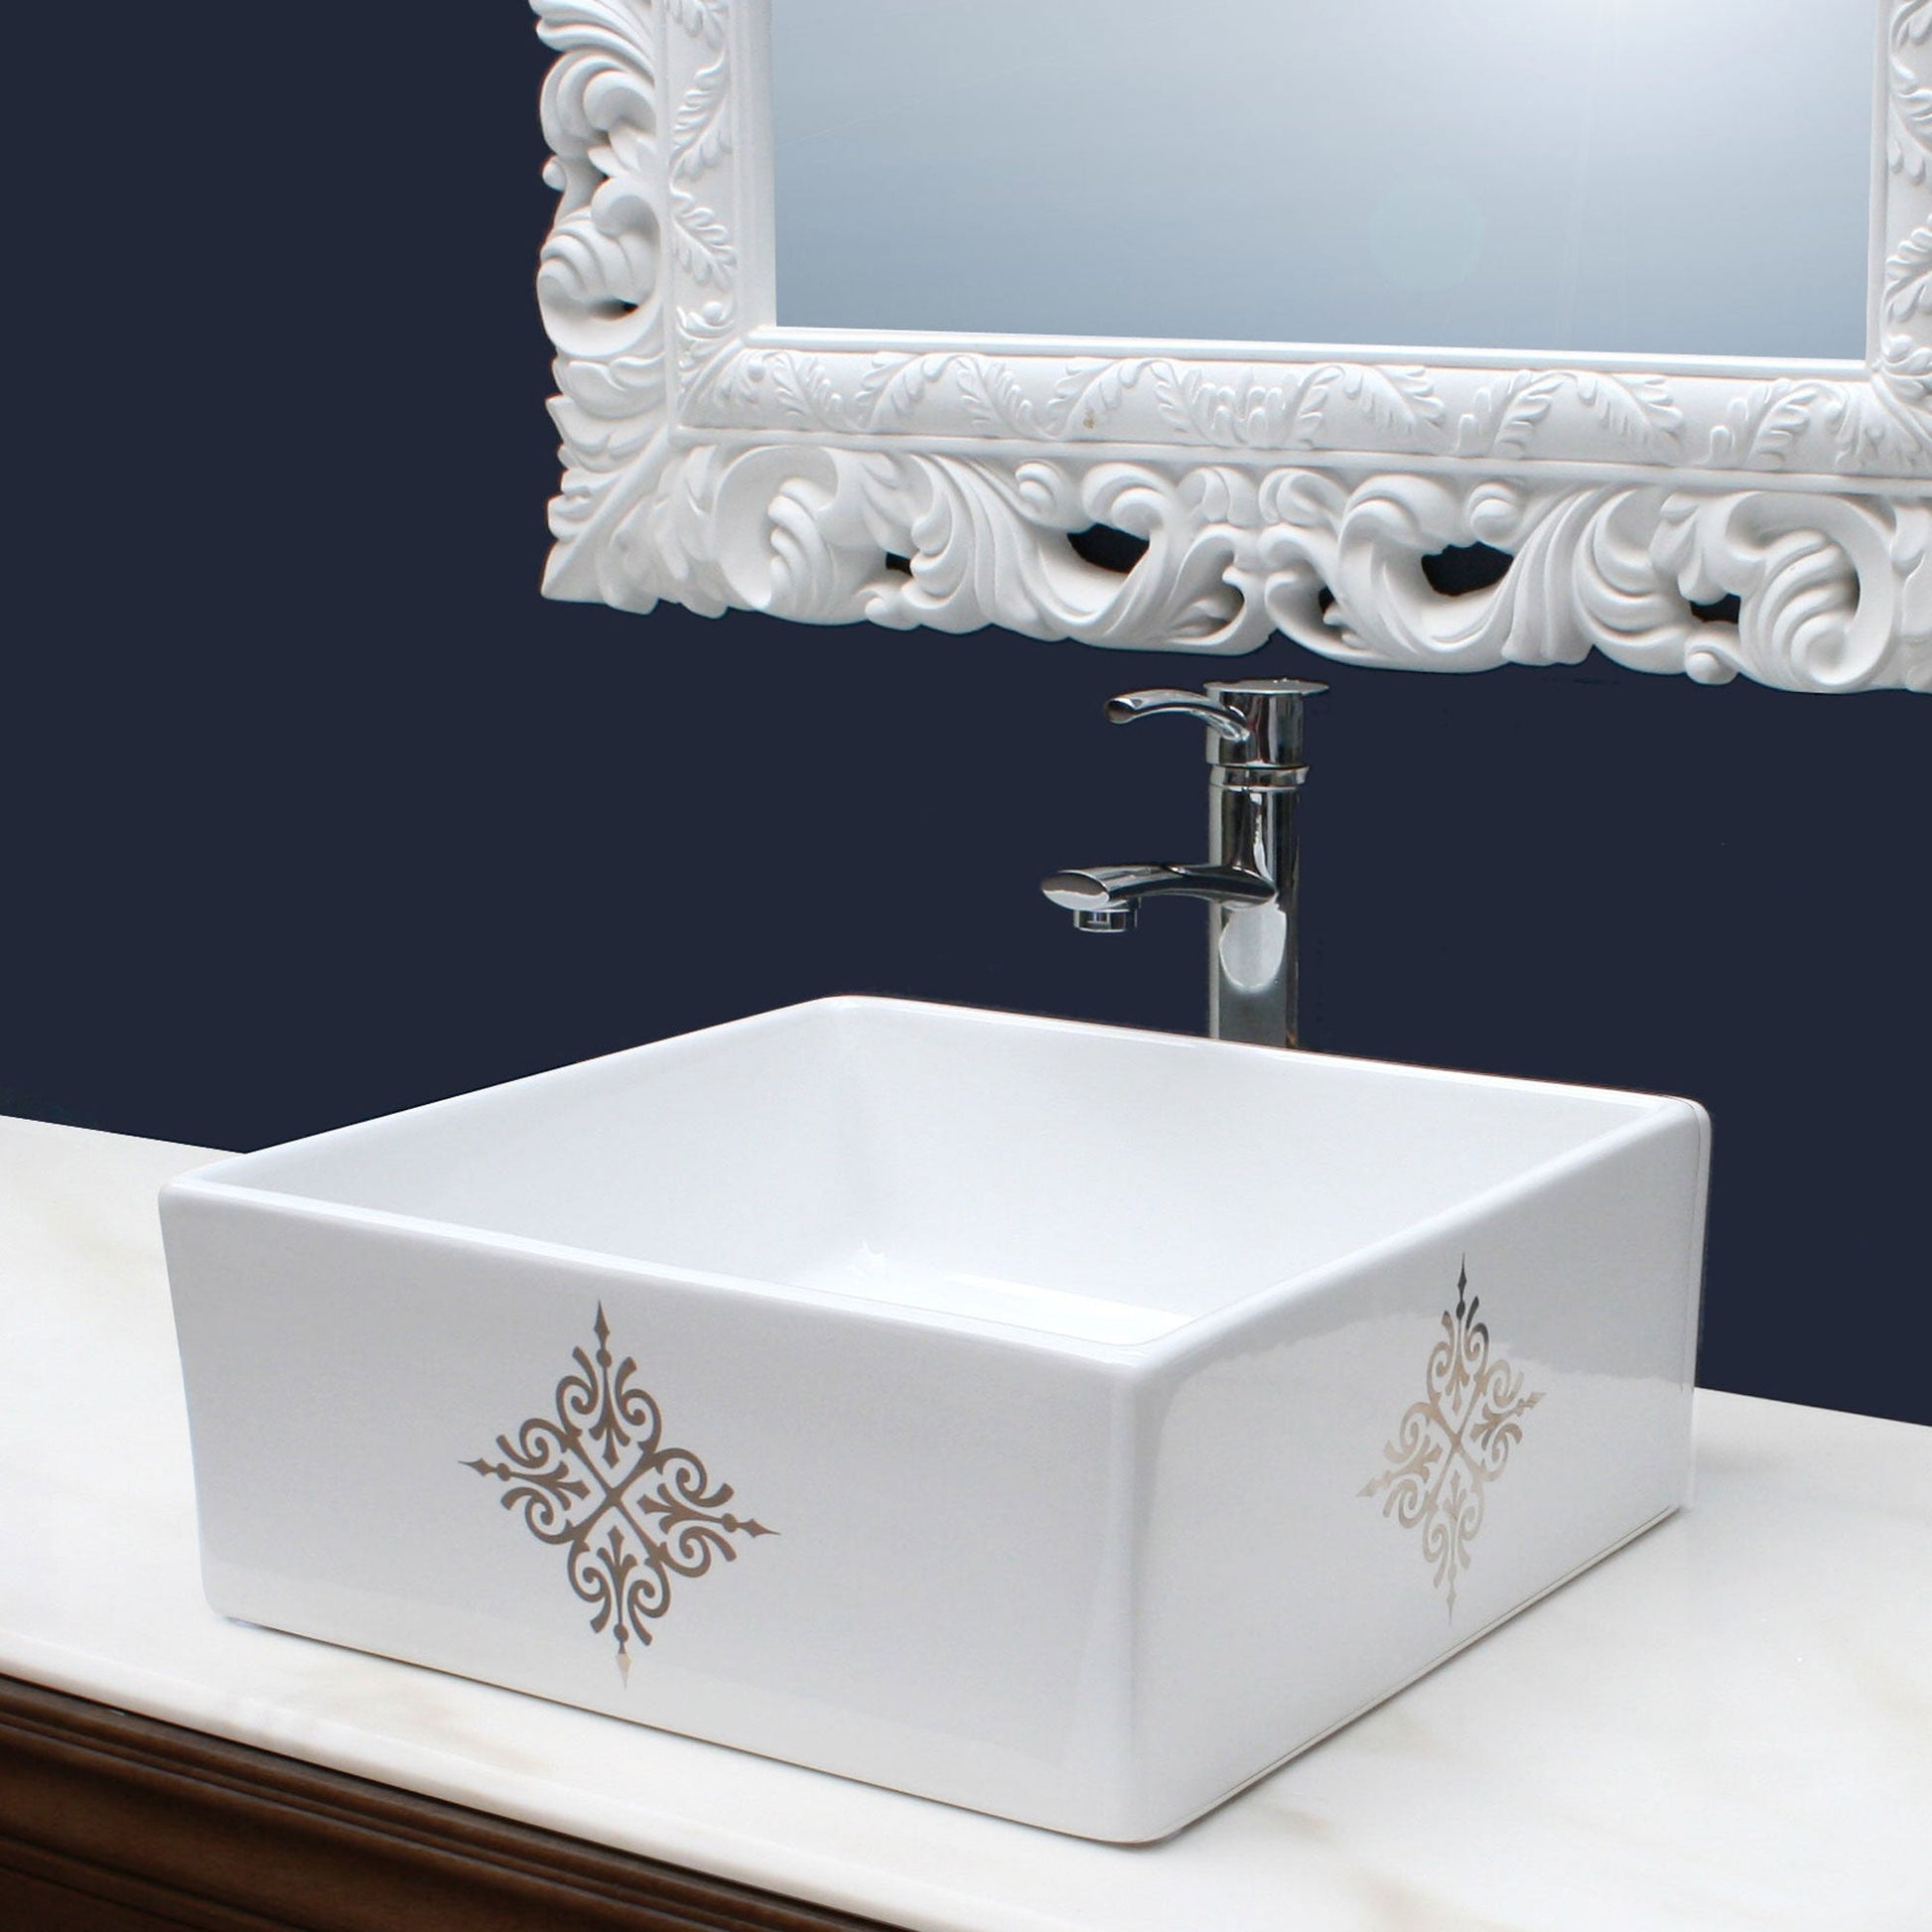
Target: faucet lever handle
(1256, 723)
(1221, 719)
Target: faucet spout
(1115, 894)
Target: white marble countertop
(1728, 1725)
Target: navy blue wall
(316, 810)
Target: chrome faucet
(1252, 874)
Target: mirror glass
(1651, 177)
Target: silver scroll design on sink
(1454, 1442)
(597, 1480)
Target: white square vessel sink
(1065, 1423)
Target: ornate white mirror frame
(720, 460)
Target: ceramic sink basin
(1065, 1423)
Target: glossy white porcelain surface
(1727, 1729)
(1064, 1423)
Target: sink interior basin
(1082, 1183)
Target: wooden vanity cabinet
(116, 1823)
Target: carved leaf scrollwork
(701, 134)
(704, 18)
(1299, 496)
(1287, 409)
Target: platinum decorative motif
(596, 1480)
(1454, 1442)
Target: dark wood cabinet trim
(115, 1823)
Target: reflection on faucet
(1251, 881)
(1107, 898)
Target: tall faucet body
(1252, 877)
